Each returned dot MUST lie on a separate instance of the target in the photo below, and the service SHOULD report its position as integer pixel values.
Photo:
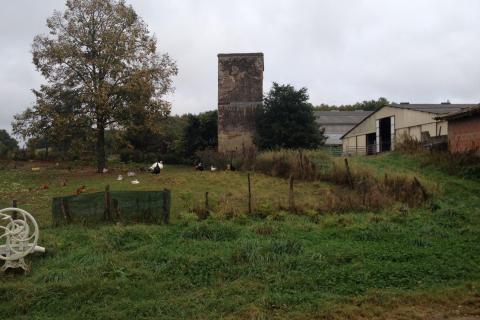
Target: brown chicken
(82, 189)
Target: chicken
(82, 189)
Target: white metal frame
(20, 236)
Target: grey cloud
(343, 51)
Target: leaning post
(107, 212)
(249, 195)
(349, 174)
(206, 201)
(166, 210)
(291, 199)
(14, 205)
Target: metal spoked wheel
(18, 234)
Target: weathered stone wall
(240, 92)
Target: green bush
(126, 155)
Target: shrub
(370, 192)
(126, 155)
(300, 164)
(201, 212)
(463, 164)
(408, 144)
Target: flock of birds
(131, 174)
(200, 167)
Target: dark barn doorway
(371, 143)
(385, 134)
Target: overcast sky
(343, 51)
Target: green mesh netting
(121, 206)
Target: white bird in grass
(212, 168)
(135, 181)
(131, 174)
(120, 177)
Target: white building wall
(407, 121)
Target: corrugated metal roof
(439, 109)
(463, 113)
(340, 117)
(434, 108)
(333, 138)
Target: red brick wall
(464, 134)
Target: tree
(140, 142)
(371, 105)
(286, 120)
(7, 143)
(56, 120)
(102, 51)
(201, 132)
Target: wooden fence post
(116, 209)
(349, 174)
(206, 201)
(107, 213)
(65, 210)
(14, 205)
(249, 195)
(166, 208)
(291, 199)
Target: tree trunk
(101, 157)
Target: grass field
(422, 263)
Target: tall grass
(363, 189)
(300, 164)
(360, 189)
(465, 164)
(354, 189)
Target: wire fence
(112, 206)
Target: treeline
(175, 139)
(367, 105)
(8, 145)
(286, 120)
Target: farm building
(337, 123)
(379, 131)
(463, 130)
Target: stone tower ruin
(240, 92)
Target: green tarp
(112, 206)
